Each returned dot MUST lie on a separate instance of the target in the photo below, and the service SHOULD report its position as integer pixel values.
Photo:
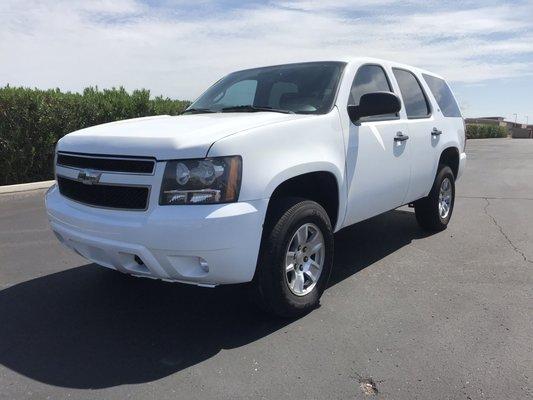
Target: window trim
(428, 103)
(391, 89)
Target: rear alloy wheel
(433, 212)
(445, 198)
(296, 258)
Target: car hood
(166, 137)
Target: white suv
(250, 184)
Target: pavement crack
(507, 238)
(494, 198)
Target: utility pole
(527, 120)
(515, 117)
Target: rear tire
(433, 212)
(295, 259)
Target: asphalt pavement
(415, 316)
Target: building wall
(521, 133)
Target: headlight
(204, 181)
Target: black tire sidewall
(445, 172)
(427, 209)
(273, 270)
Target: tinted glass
(443, 95)
(307, 88)
(279, 89)
(413, 96)
(242, 92)
(369, 79)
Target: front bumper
(201, 244)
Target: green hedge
(476, 131)
(32, 121)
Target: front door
(378, 160)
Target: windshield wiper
(198, 111)
(250, 108)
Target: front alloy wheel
(305, 259)
(296, 258)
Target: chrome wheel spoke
(299, 282)
(301, 235)
(313, 271)
(290, 258)
(313, 265)
(304, 259)
(311, 277)
(445, 198)
(314, 244)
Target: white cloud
(352, 5)
(176, 52)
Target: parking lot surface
(443, 316)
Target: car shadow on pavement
(89, 327)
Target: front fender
(275, 153)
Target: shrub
(475, 131)
(32, 121)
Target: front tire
(433, 212)
(295, 259)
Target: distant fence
(32, 121)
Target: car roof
(393, 64)
(353, 60)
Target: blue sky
(177, 48)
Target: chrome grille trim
(105, 163)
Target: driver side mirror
(376, 103)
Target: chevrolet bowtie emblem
(89, 177)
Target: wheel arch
(450, 157)
(320, 184)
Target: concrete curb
(25, 187)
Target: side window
(443, 95)
(240, 93)
(414, 99)
(368, 79)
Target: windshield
(307, 88)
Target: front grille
(109, 164)
(101, 195)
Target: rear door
(377, 163)
(422, 126)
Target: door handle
(436, 132)
(400, 137)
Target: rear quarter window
(443, 95)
